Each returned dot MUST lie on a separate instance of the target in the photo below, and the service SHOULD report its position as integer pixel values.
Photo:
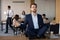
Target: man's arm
(41, 20)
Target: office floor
(21, 38)
(11, 36)
(10, 33)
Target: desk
(2, 23)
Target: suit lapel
(38, 18)
(31, 20)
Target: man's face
(33, 8)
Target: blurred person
(23, 16)
(53, 22)
(10, 14)
(16, 23)
(44, 18)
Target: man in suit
(9, 18)
(34, 23)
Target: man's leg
(7, 26)
(10, 24)
(42, 31)
(30, 34)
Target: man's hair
(44, 14)
(46, 18)
(9, 6)
(33, 4)
(16, 17)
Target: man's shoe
(6, 32)
(43, 36)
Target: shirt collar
(33, 14)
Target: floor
(11, 36)
(10, 33)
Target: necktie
(8, 14)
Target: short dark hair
(46, 18)
(33, 4)
(9, 6)
(44, 14)
(23, 12)
(16, 17)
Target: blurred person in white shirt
(10, 14)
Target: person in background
(53, 22)
(22, 20)
(54, 27)
(43, 16)
(16, 23)
(46, 22)
(10, 14)
(23, 16)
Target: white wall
(46, 7)
(17, 7)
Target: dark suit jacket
(29, 23)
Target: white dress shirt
(35, 21)
(10, 12)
